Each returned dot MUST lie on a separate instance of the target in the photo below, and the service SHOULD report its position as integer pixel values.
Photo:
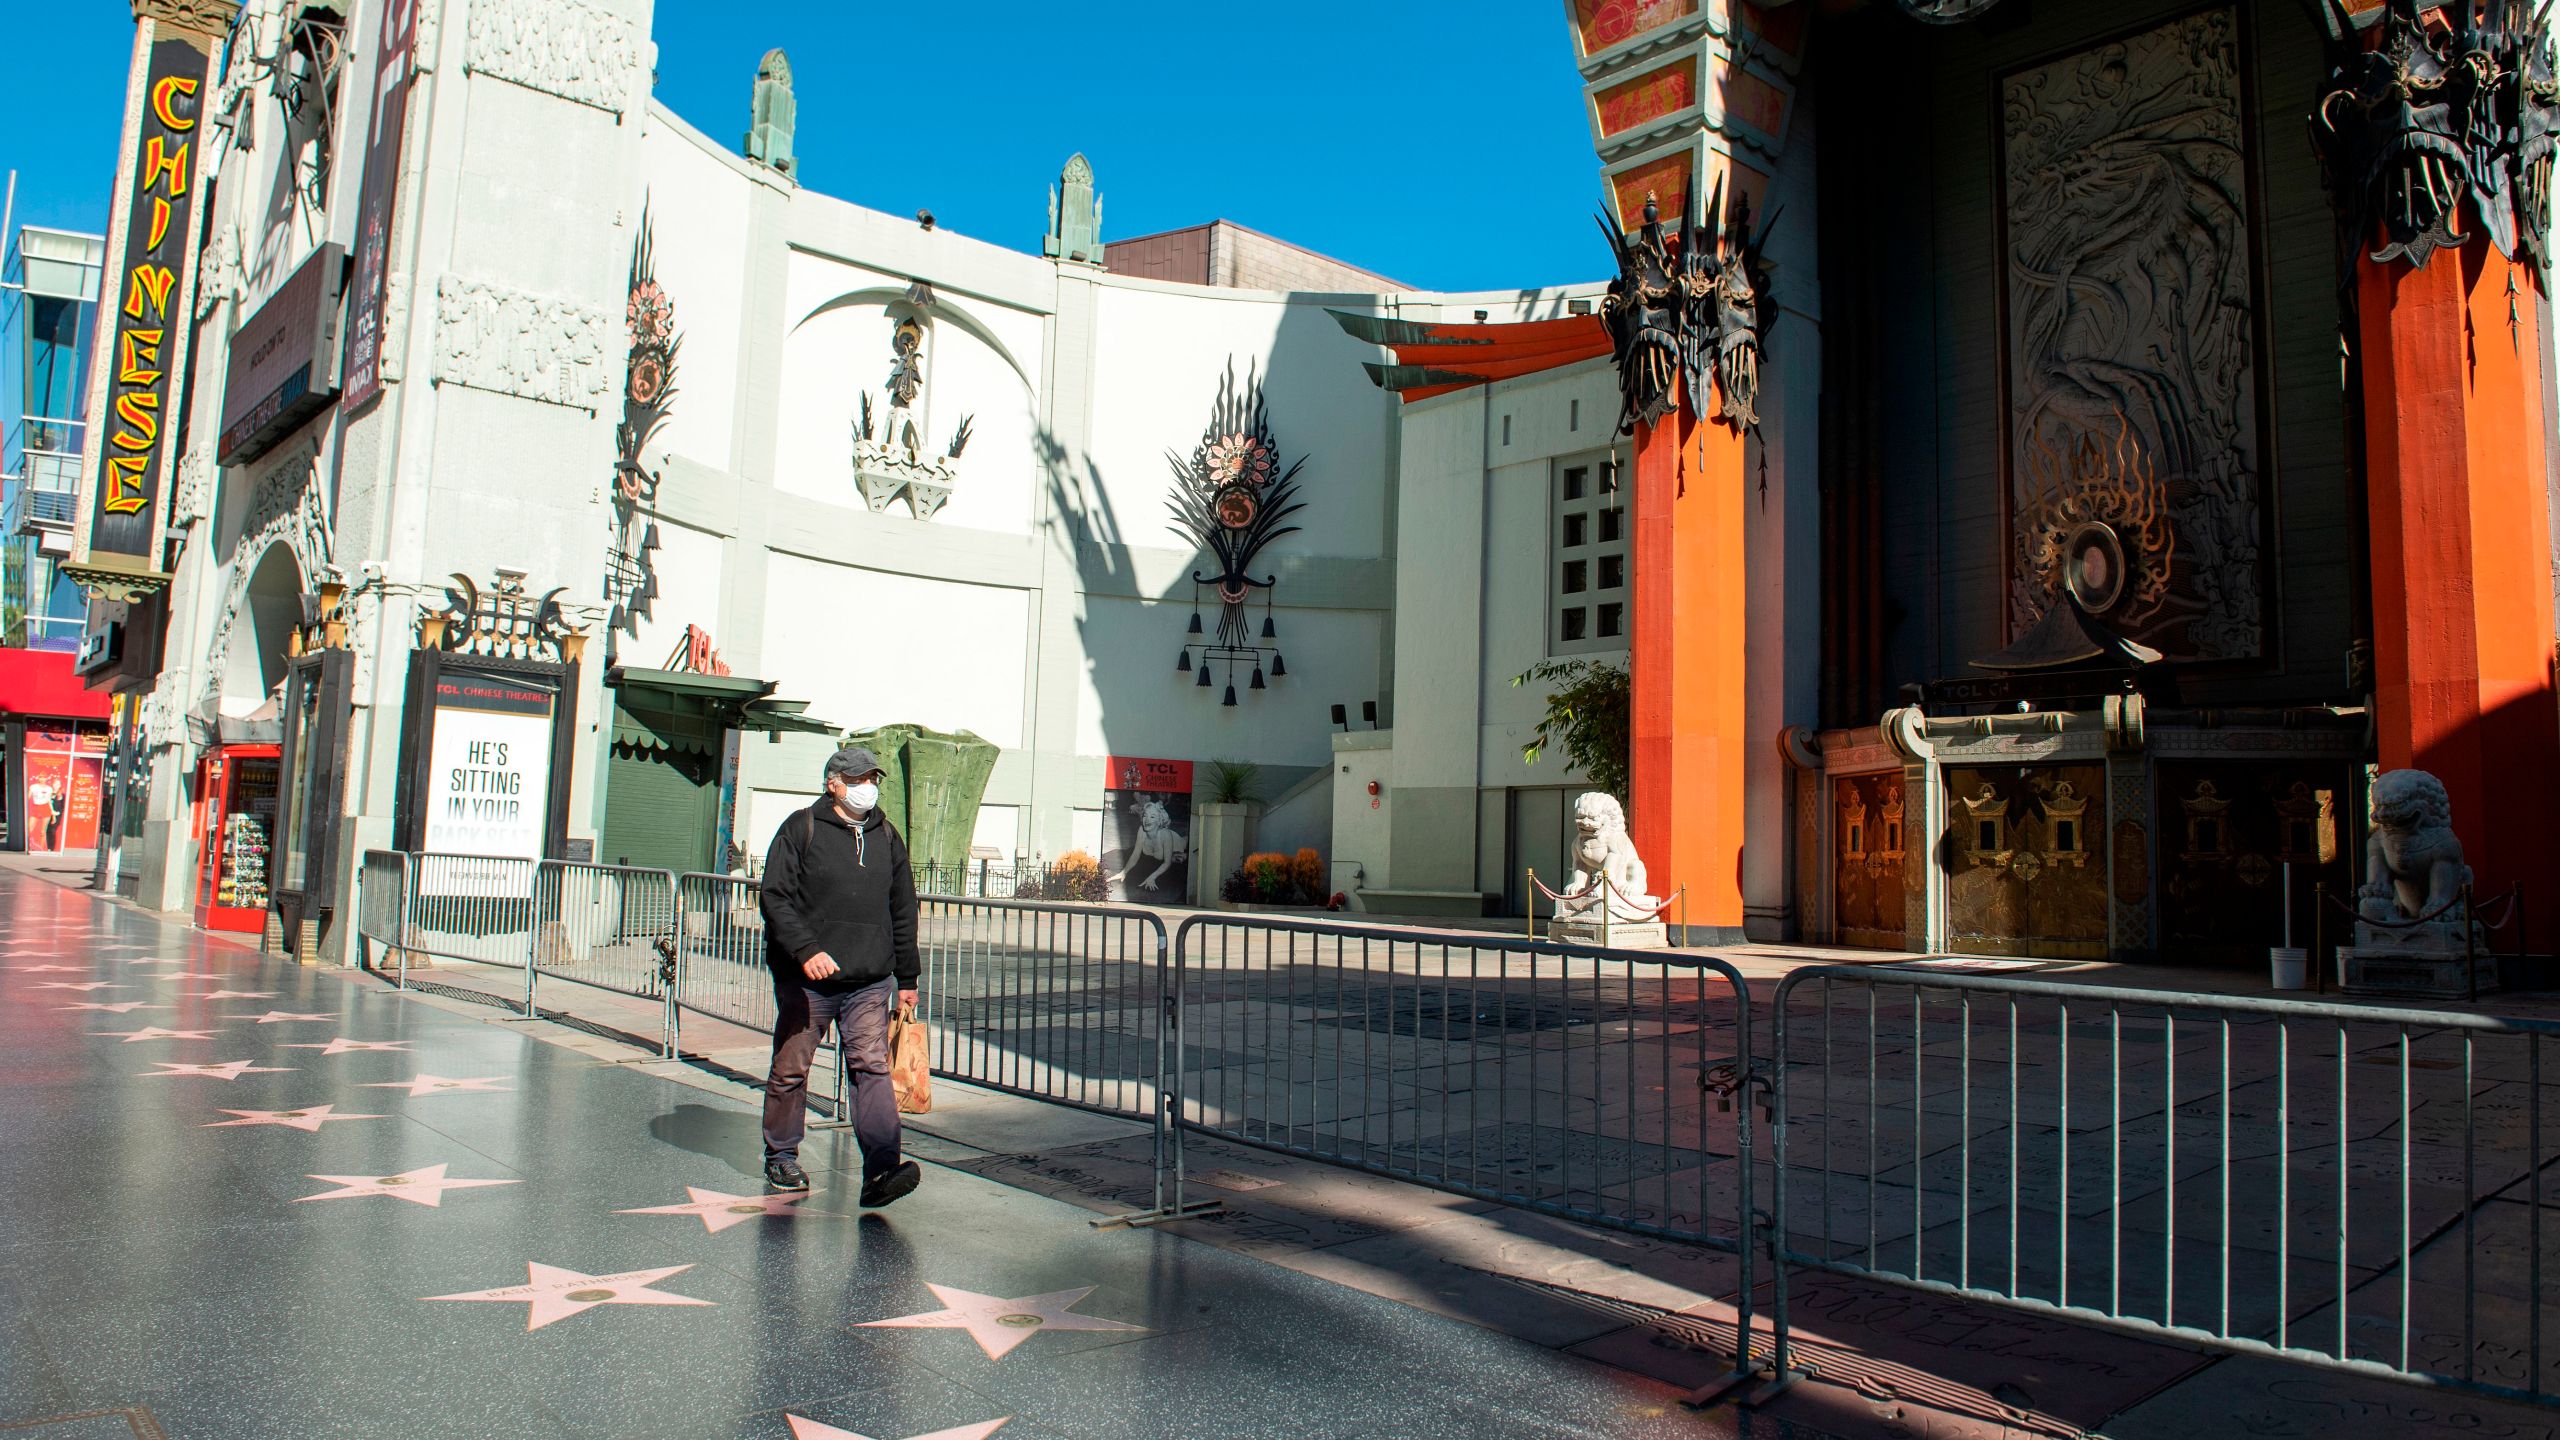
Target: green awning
(682, 711)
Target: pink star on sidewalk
(557, 1294)
(154, 1032)
(426, 1084)
(120, 1007)
(36, 969)
(237, 995)
(193, 975)
(718, 1211)
(227, 1070)
(311, 1118)
(418, 1187)
(812, 1430)
(343, 1045)
(998, 1324)
(79, 985)
(273, 1017)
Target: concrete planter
(1221, 836)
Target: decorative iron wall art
(1691, 306)
(2132, 453)
(648, 397)
(890, 461)
(1231, 498)
(2428, 120)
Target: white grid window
(1587, 595)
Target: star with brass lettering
(79, 985)
(36, 969)
(720, 1211)
(418, 1187)
(309, 1118)
(998, 1324)
(343, 1045)
(811, 1430)
(154, 1032)
(227, 1070)
(120, 1007)
(556, 1294)
(273, 1017)
(237, 995)
(426, 1084)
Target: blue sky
(1440, 142)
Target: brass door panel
(1867, 853)
(2227, 830)
(2025, 851)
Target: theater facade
(2034, 462)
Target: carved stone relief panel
(559, 47)
(492, 338)
(2133, 446)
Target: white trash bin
(2290, 966)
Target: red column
(2456, 487)
(1686, 786)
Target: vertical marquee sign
(392, 76)
(130, 450)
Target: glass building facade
(48, 313)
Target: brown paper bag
(909, 1070)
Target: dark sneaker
(787, 1175)
(901, 1181)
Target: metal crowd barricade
(610, 927)
(471, 907)
(1066, 1003)
(382, 909)
(1587, 1083)
(2351, 1186)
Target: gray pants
(801, 1019)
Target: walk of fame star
(154, 1032)
(274, 1017)
(343, 1045)
(79, 985)
(557, 1294)
(237, 995)
(38, 969)
(811, 1430)
(120, 1007)
(418, 1187)
(193, 975)
(426, 1084)
(998, 1324)
(719, 1211)
(227, 1070)
(308, 1118)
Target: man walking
(840, 935)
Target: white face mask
(863, 796)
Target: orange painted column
(1685, 789)
(2456, 479)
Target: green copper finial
(769, 133)
(1075, 215)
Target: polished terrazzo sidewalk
(249, 1199)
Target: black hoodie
(848, 893)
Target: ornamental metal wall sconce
(1230, 498)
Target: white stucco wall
(869, 647)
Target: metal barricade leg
(1171, 1058)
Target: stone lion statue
(2413, 862)
(1601, 847)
